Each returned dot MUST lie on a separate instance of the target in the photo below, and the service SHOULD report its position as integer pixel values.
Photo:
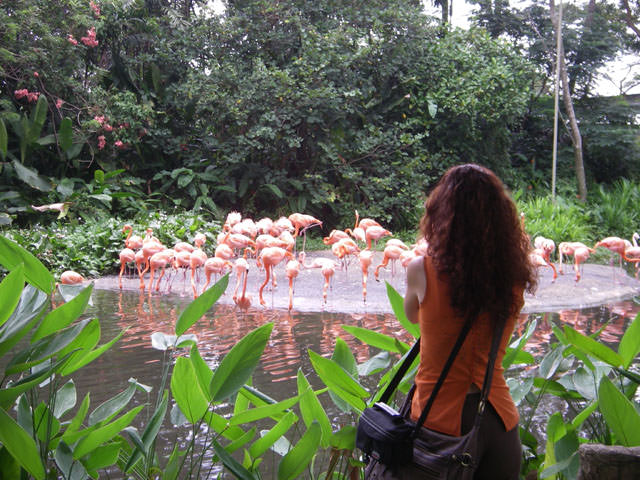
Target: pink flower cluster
(96, 8)
(90, 39)
(59, 103)
(101, 142)
(24, 93)
(72, 40)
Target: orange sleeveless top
(440, 327)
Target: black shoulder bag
(398, 448)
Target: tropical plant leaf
(299, 457)
(31, 177)
(4, 140)
(593, 347)
(12, 254)
(269, 437)
(65, 134)
(196, 309)
(109, 408)
(186, 390)
(619, 413)
(274, 410)
(343, 356)
(397, 304)
(64, 315)
(376, 339)
(339, 381)
(630, 342)
(150, 432)
(66, 399)
(20, 445)
(38, 117)
(238, 365)
(231, 463)
(311, 409)
(10, 291)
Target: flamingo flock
(264, 244)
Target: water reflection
(294, 333)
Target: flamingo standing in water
(391, 253)
(197, 259)
(375, 233)
(159, 260)
(327, 268)
(215, 266)
(126, 256)
(241, 267)
(134, 242)
(366, 258)
(270, 257)
(334, 237)
(292, 270)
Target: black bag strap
(399, 375)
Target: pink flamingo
(615, 244)
(224, 251)
(159, 260)
(134, 242)
(69, 277)
(545, 247)
(391, 253)
(197, 259)
(632, 253)
(335, 236)
(366, 258)
(246, 227)
(241, 268)
(149, 248)
(126, 256)
(215, 266)
(327, 268)
(280, 225)
(538, 260)
(264, 225)
(292, 270)
(375, 232)
(270, 257)
(580, 254)
(233, 218)
(182, 260)
(357, 233)
(365, 223)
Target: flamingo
(238, 240)
(344, 247)
(327, 268)
(264, 225)
(538, 260)
(545, 247)
(182, 260)
(391, 253)
(302, 221)
(357, 233)
(366, 258)
(335, 236)
(375, 232)
(292, 270)
(69, 277)
(243, 302)
(197, 259)
(224, 251)
(270, 257)
(420, 247)
(159, 260)
(288, 239)
(396, 242)
(580, 253)
(280, 225)
(134, 242)
(126, 255)
(246, 227)
(632, 253)
(215, 266)
(615, 244)
(241, 267)
(232, 219)
(149, 248)
(365, 223)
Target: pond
(294, 333)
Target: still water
(293, 335)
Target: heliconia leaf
(593, 347)
(84, 359)
(241, 441)
(65, 134)
(584, 414)
(221, 426)
(269, 437)
(343, 356)
(201, 368)
(78, 418)
(20, 445)
(46, 425)
(103, 456)
(619, 413)
(66, 399)
(35, 273)
(196, 309)
(267, 411)
(114, 405)
(345, 438)
(68, 467)
(10, 291)
(64, 315)
(238, 365)
(375, 364)
(630, 342)
(311, 409)
(186, 390)
(299, 457)
(397, 305)
(376, 339)
(105, 433)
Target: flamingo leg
(290, 293)
(159, 278)
(267, 268)
(122, 265)
(364, 285)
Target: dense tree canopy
(270, 107)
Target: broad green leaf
(109, 408)
(375, 339)
(586, 383)
(555, 388)
(339, 381)
(65, 399)
(345, 438)
(584, 414)
(186, 390)
(20, 445)
(75, 150)
(297, 460)
(519, 388)
(69, 468)
(103, 456)
(38, 117)
(592, 347)
(150, 432)
(231, 463)
(221, 425)
(274, 189)
(238, 365)
(46, 140)
(10, 291)
(201, 368)
(269, 437)
(241, 441)
(196, 309)
(65, 134)
(630, 342)
(375, 364)
(343, 356)
(64, 315)
(98, 176)
(81, 360)
(46, 425)
(4, 140)
(79, 417)
(551, 362)
(101, 435)
(556, 429)
(311, 409)
(619, 413)
(397, 304)
(172, 468)
(267, 411)
(35, 273)
(31, 177)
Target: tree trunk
(576, 138)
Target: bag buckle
(466, 460)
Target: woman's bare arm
(416, 288)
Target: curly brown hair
(477, 242)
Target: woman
(476, 267)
